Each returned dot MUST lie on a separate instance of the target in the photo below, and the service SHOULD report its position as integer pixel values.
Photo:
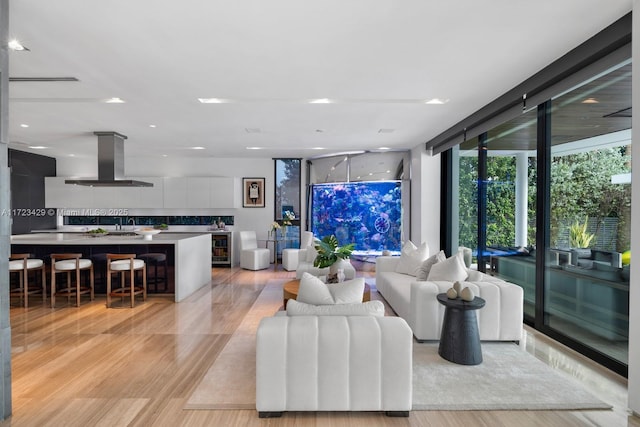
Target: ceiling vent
(110, 164)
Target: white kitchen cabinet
(150, 197)
(60, 195)
(105, 197)
(225, 192)
(175, 192)
(167, 192)
(198, 189)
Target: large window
(287, 200)
(568, 246)
(587, 290)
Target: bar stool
(154, 259)
(122, 264)
(22, 264)
(68, 263)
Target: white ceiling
(379, 59)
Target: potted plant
(329, 253)
(579, 237)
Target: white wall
(425, 198)
(634, 284)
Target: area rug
(508, 379)
(230, 383)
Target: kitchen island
(189, 253)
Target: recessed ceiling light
(165, 155)
(590, 101)
(16, 45)
(388, 171)
(197, 148)
(320, 101)
(115, 100)
(37, 147)
(152, 126)
(252, 130)
(384, 148)
(436, 101)
(254, 148)
(72, 155)
(317, 148)
(23, 125)
(212, 100)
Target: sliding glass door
(565, 243)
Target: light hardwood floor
(90, 366)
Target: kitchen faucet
(133, 222)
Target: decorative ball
(467, 294)
(458, 287)
(452, 294)
(626, 258)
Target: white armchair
(333, 363)
(251, 256)
(290, 256)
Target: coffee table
(460, 338)
(290, 291)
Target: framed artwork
(253, 192)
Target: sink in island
(189, 253)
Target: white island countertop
(192, 252)
(120, 238)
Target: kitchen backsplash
(147, 220)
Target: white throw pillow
(313, 291)
(425, 267)
(478, 276)
(369, 308)
(411, 258)
(347, 292)
(452, 269)
(311, 253)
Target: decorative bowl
(147, 233)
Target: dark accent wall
(27, 191)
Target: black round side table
(460, 339)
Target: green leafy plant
(579, 237)
(329, 252)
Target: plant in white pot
(331, 255)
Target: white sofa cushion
(369, 308)
(411, 258)
(314, 291)
(425, 267)
(452, 269)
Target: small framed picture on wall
(253, 192)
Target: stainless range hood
(110, 164)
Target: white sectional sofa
(333, 363)
(415, 301)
